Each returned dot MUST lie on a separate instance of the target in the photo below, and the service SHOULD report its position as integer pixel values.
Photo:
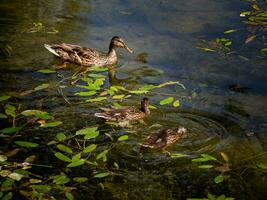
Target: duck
(164, 138)
(87, 56)
(126, 114)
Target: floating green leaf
(80, 179)
(262, 165)
(75, 163)
(176, 103)
(123, 138)
(26, 144)
(264, 50)
(51, 124)
(90, 148)
(96, 99)
(89, 93)
(41, 188)
(41, 87)
(138, 91)
(62, 157)
(229, 31)
(205, 166)
(167, 100)
(88, 133)
(118, 96)
(8, 196)
(46, 71)
(98, 69)
(2, 116)
(61, 136)
(208, 157)
(3, 98)
(96, 75)
(101, 175)
(69, 196)
(3, 158)
(219, 179)
(11, 130)
(16, 176)
(60, 179)
(64, 148)
(102, 155)
(10, 110)
(178, 155)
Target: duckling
(126, 114)
(164, 138)
(86, 56)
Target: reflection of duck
(87, 56)
(126, 114)
(164, 138)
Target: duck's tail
(49, 48)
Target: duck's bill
(128, 49)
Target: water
(163, 34)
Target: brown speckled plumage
(87, 56)
(164, 138)
(126, 114)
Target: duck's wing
(115, 114)
(155, 140)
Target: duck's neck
(112, 56)
(145, 109)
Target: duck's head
(181, 131)
(117, 42)
(145, 105)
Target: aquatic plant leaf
(41, 87)
(211, 196)
(64, 148)
(5, 97)
(41, 188)
(98, 69)
(221, 197)
(10, 110)
(224, 156)
(228, 43)
(229, 31)
(206, 49)
(96, 75)
(205, 166)
(88, 133)
(46, 71)
(264, 50)
(8, 196)
(178, 155)
(69, 196)
(262, 165)
(37, 113)
(60, 179)
(80, 179)
(96, 99)
(2, 116)
(61, 136)
(62, 157)
(208, 157)
(16, 176)
(123, 138)
(51, 124)
(3, 158)
(26, 144)
(102, 155)
(76, 163)
(138, 91)
(89, 93)
(250, 39)
(101, 175)
(176, 103)
(118, 96)
(90, 148)
(33, 180)
(11, 130)
(219, 179)
(167, 100)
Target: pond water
(223, 106)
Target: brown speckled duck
(127, 113)
(87, 56)
(164, 138)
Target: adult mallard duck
(127, 113)
(87, 56)
(164, 138)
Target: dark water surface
(165, 33)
